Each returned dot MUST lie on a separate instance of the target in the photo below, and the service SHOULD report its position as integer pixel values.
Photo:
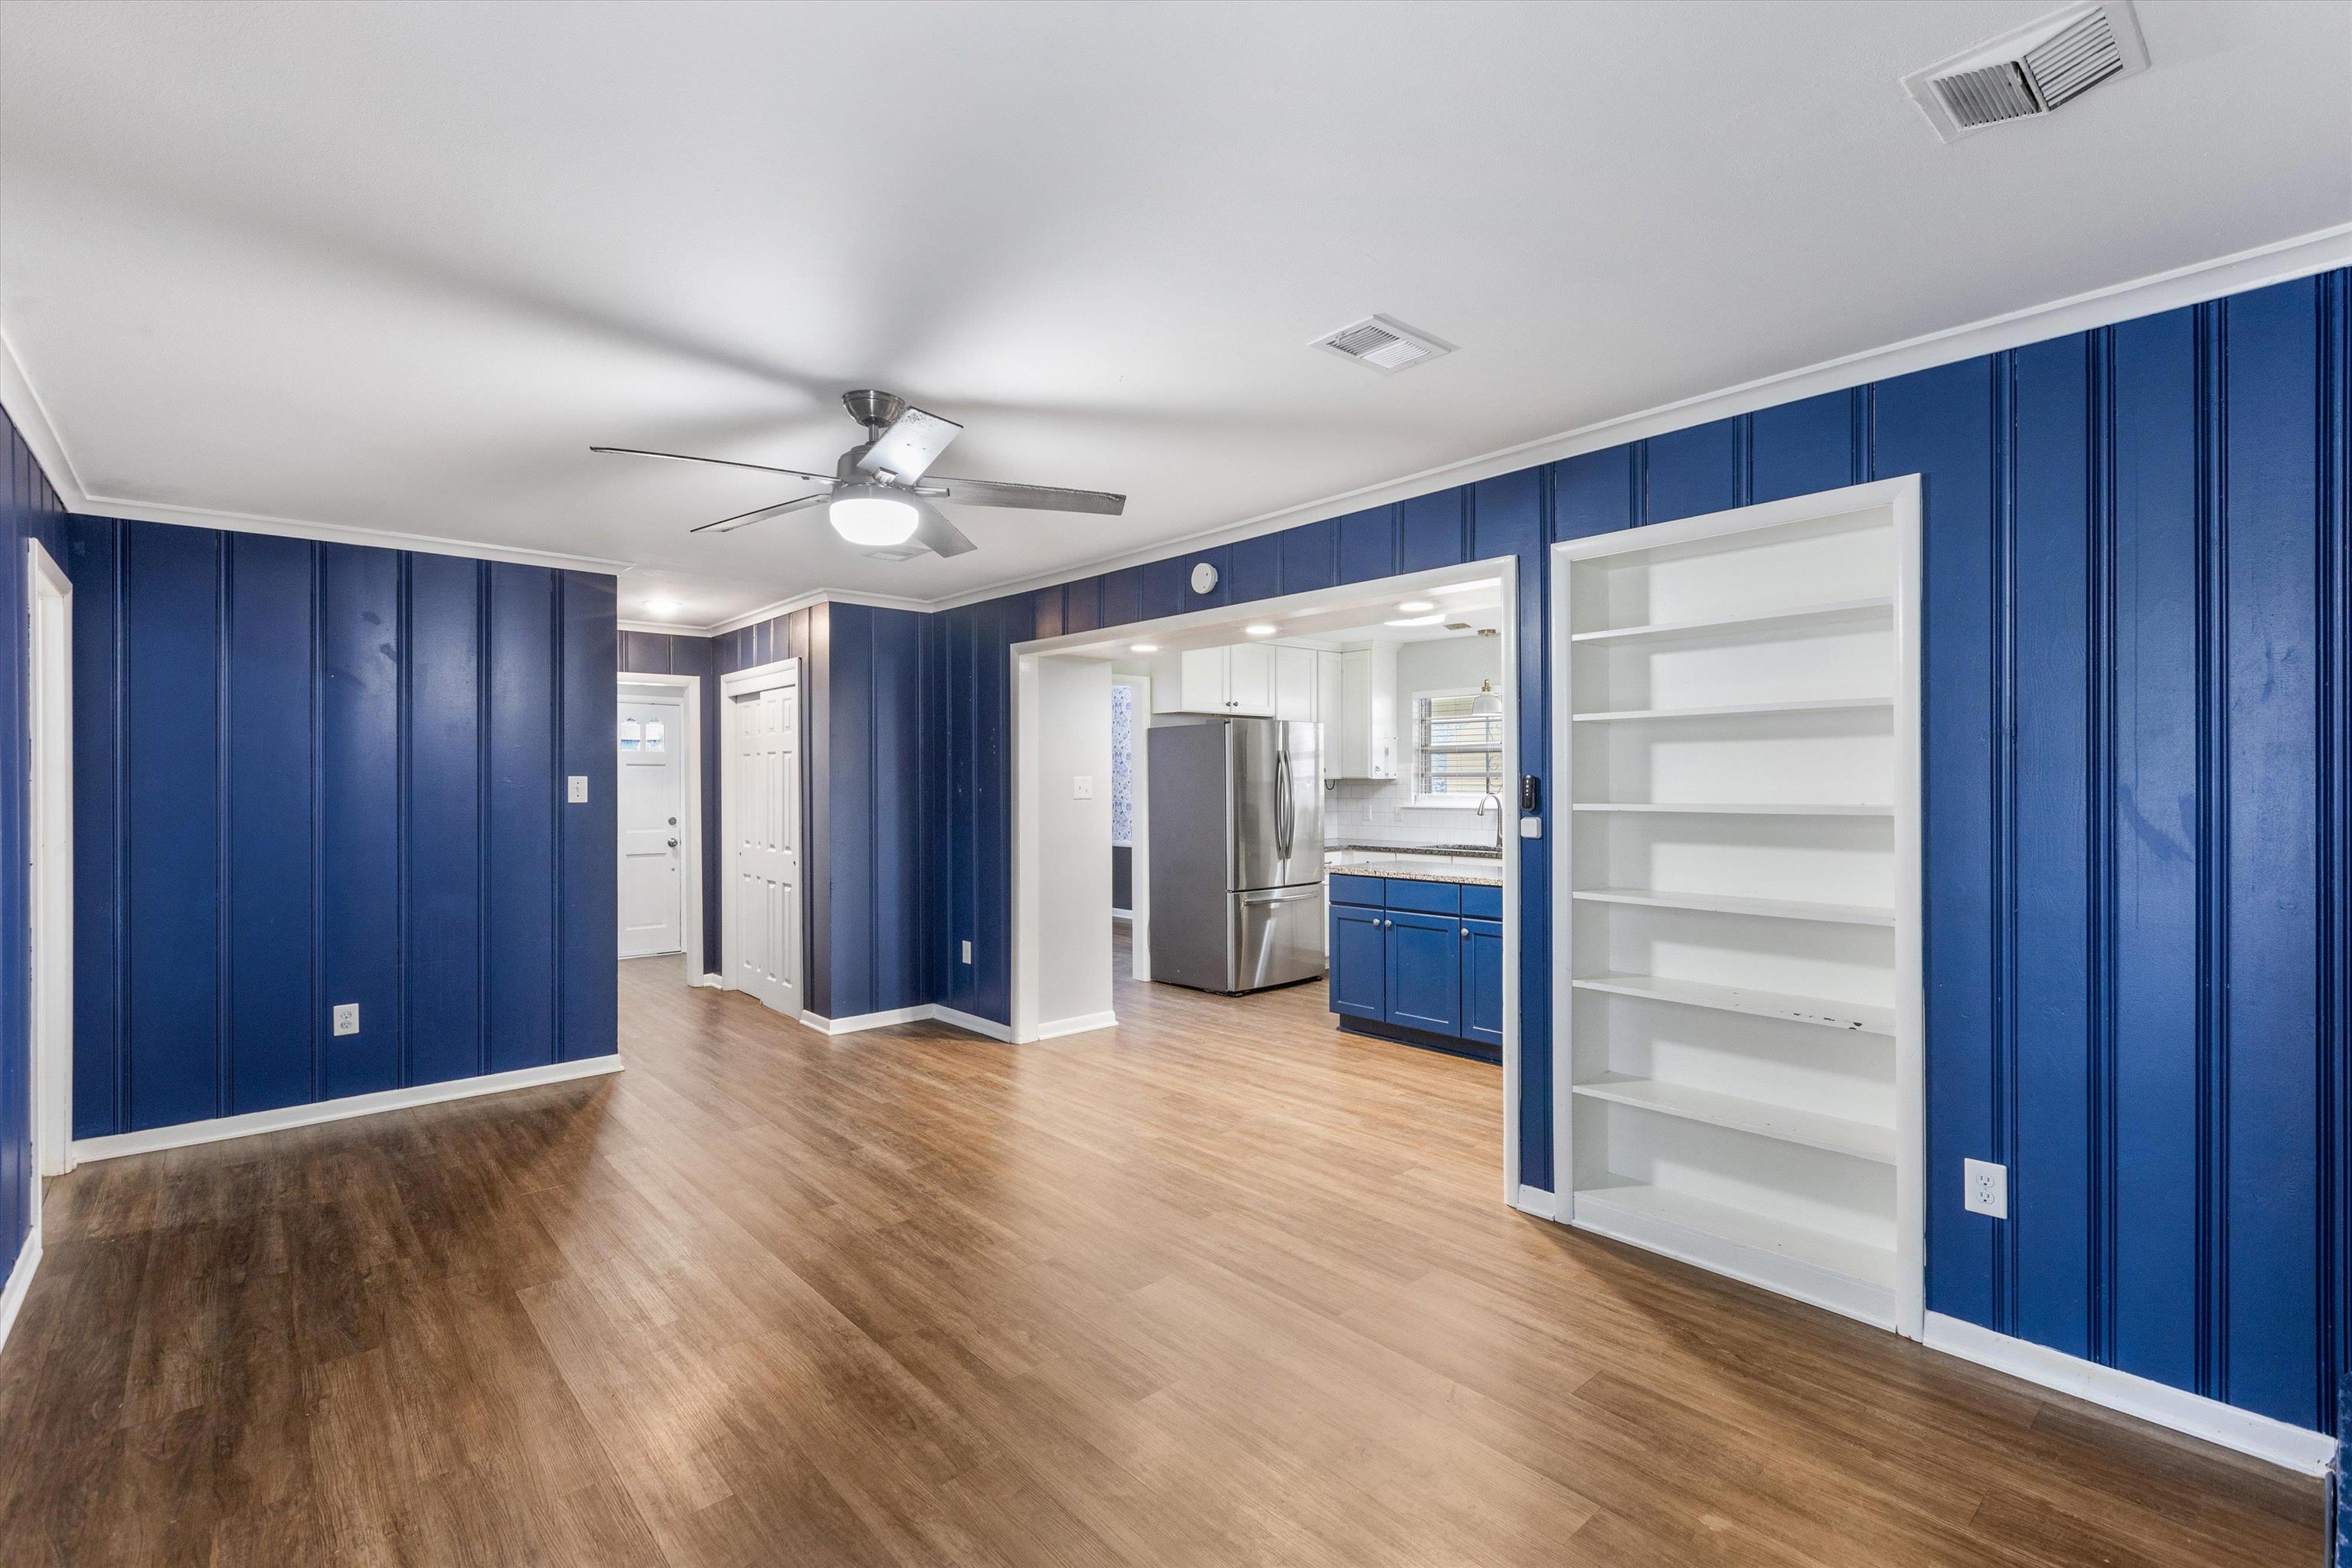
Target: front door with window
(652, 805)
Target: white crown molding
(2300, 256)
(662, 628)
(2320, 251)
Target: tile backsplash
(1380, 811)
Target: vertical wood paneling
(360, 913)
(523, 798)
(1802, 448)
(1122, 596)
(1082, 605)
(93, 561)
(170, 613)
(273, 1028)
(846, 890)
(1045, 611)
(2269, 1063)
(1695, 471)
(1256, 569)
(1310, 556)
(2053, 1184)
(445, 842)
(899, 787)
(1432, 531)
(1939, 424)
(2155, 768)
(1594, 492)
(1368, 546)
(587, 906)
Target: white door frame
(734, 684)
(1027, 891)
(689, 819)
(49, 724)
(1139, 849)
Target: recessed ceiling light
(1417, 621)
(1416, 606)
(1465, 587)
(1261, 631)
(1143, 647)
(661, 607)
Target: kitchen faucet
(1499, 817)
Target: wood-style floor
(1220, 1287)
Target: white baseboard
(978, 1025)
(2261, 1437)
(716, 982)
(1084, 1023)
(1536, 1201)
(212, 1131)
(1122, 914)
(20, 1280)
(1759, 1265)
(850, 1025)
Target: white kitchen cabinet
(1236, 682)
(1294, 683)
(1366, 746)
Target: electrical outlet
(1985, 1187)
(347, 1017)
(967, 952)
(576, 788)
(1082, 787)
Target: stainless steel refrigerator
(1237, 827)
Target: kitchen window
(1456, 755)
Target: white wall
(1380, 811)
(1073, 840)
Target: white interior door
(653, 809)
(764, 910)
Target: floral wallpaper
(1122, 764)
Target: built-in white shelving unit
(1737, 995)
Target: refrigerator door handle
(1282, 801)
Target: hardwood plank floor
(1221, 1286)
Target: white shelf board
(1640, 1207)
(1722, 808)
(1837, 1135)
(1855, 1017)
(1738, 710)
(1829, 614)
(1726, 904)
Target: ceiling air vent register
(1383, 343)
(2030, 70)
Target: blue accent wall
(310, 774)
(2137, 715)
(865, 772)
(28, 510)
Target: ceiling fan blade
(722, 462)
(912, 443)
(937, 534)
(746, 518)
(1035, 498)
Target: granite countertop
(1411, 871)
(1484, 852)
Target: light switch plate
(1985, 1188)
(1082, 787)
(347, 1017)
(576, 789)
(967, 952)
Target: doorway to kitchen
(659, 794)
(1331, 782)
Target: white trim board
(2260, 1437)
(20, 1278)
(689, 817)
(1086, 1023)
(1537, 1202)
(185, 1133)
(988, 1028)
(921, 1013)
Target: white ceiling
(395, 266)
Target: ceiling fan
(877, 496)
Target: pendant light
(1485, 705)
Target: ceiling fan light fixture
(870, 517)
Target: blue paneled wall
(28, 510)
(2137, 709)
(312, 773)
(865, 775)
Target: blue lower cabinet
(1402, 958)
(1426, 972)
(1360, 965)
(1482, 981)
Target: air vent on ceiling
(2030, 71)
(1387, 346)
